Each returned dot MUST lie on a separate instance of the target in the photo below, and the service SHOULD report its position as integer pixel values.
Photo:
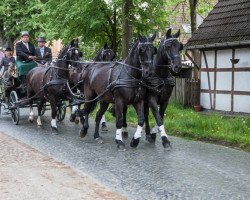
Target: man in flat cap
(25, 51)
(42, 52)
(7, 60)
(26, 54)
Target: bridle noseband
(170, 58)
(143, 63)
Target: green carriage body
(23, 67)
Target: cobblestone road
(191, 170)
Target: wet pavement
(190, 170)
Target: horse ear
(105, 46)
(155, 50)
(80, 54)
(181, 47)
(153, 37)
(168, 34)
(139, 37)
(176, 35)
(72, 43)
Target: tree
(17, 15)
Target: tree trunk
(1, 34)
(196, 56)
(127, 26)
(114, 32)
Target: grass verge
(233, 131)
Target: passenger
(5, 62)
(42, 52)
(26, 53)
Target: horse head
(70, 53)
(144, 50)
(105, 54)
(169, 51)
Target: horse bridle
(69, 51)
(143, 63)
(104, 51)
(170, 58)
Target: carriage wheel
(15, 113)
(61, 111)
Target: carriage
(13, 91)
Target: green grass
(229, 131)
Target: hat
(8, 49)
(25, 33)
(41, 39)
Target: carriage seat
(24, 67)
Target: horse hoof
(120, 145)
(99, 140)
(134, 142)
(54, 129)
(31, 120)
(82, 133)
(72, 117)
(151, 138)
(165, 142)
(104, 128)
(125, 134)
(77, 120)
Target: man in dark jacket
(25, 51)
(42, 52)
(5, 62)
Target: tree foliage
(94, 21)
(18, 15)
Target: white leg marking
(103, 119)
(124, 129)
(53, 123)
(118, 134)
(31, 116)
(74, 109)
(155, 129)
(138, 132)
(162, 131)
(39, 122)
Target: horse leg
(103, 123)
(139, 107)
(99, 114)
(39, 108)
(118, 135)
(53, 106)
(164, 136)
(31, 115)
(85, 118)
(149, 137)
(124, 123)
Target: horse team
(141, 80)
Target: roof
(228, 24)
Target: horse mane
(96, 58)
(62, 51)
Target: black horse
(119, 83)
(161, 83)
(51, 83)
(105, 54)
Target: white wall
(224, 80)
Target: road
(190, 170)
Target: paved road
(191, 170)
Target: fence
(186, 92)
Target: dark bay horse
(119, 83)
(50, 84)
(105, 54)
(167, 61)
